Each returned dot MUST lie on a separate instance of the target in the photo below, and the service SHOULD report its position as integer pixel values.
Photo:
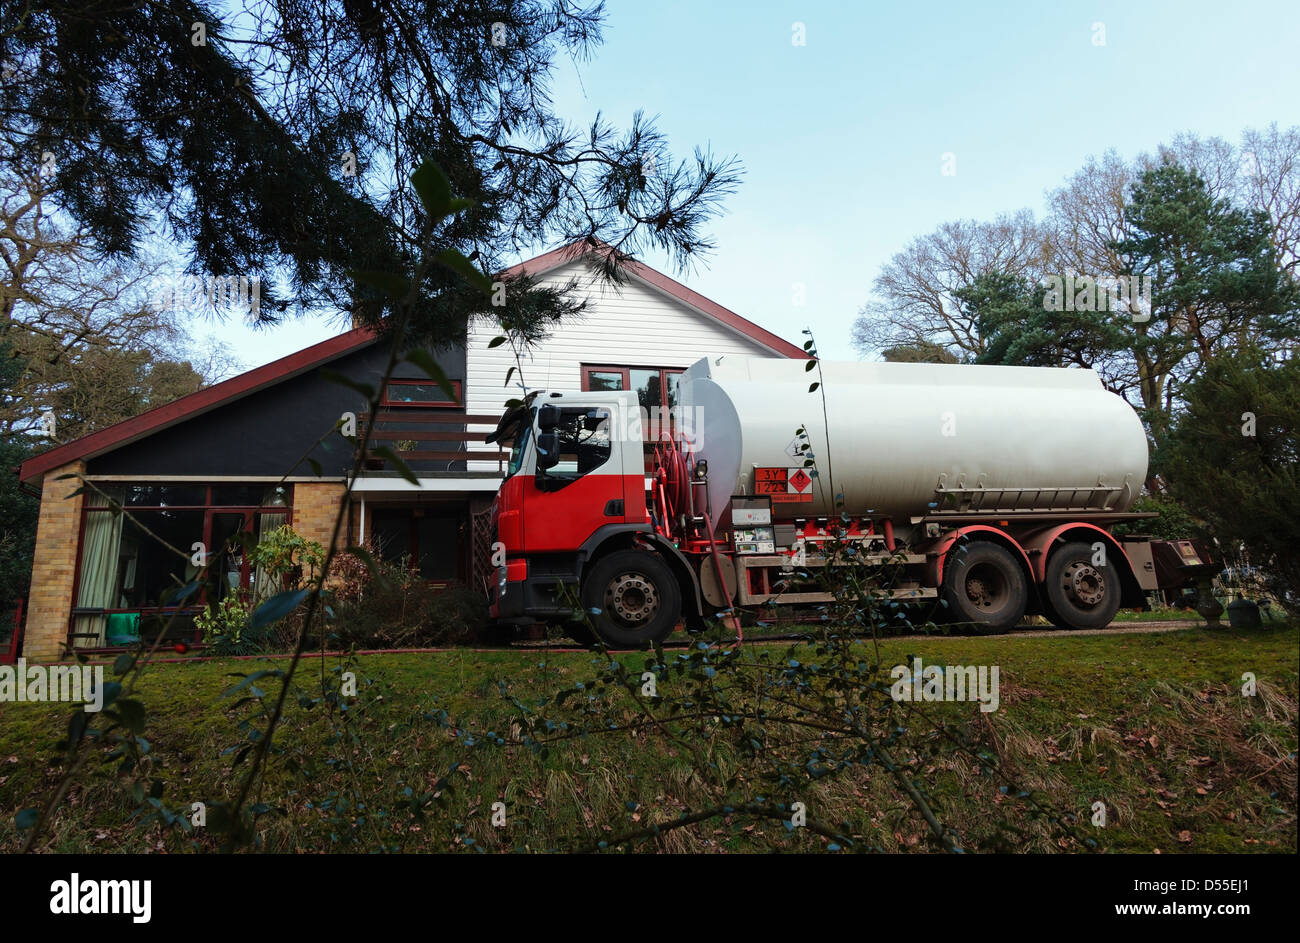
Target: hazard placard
(784, 485)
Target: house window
(420, 393)
(130, 558)
(656, 387)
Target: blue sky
(843, 139)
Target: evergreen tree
(1234, 460)
(281, 139)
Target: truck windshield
(519, 445)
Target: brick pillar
(315, 505)
(54, 565)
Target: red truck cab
(576, 479)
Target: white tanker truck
(983, 492)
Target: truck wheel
(983, 584)
(633, 598)
(1080, 594)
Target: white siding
(633, 324)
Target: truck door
(583, 490)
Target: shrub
(292, 560)
(350, 574)
(400, 610)
(1174, 522)
(1233, 456)
(226, 629)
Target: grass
(1158, 615)
(1154, 726)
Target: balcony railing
(430, 440)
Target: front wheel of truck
(632, 598)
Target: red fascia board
(540, 264)
(568, 253)
(194, 404)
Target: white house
(265, 448)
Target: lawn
(1153, 726)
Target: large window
(657, 391)
(656, 387)
(138, 541)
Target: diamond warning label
(784, 485)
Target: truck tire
(632, 598)
(1079, 593)
(984, 585)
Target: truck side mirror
(548, 417)
(548, 450)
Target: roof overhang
(488, 483)
(195, 404)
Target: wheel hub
(632, 598)
(1084, 584)
(985, 589)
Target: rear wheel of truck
(1082, 592)
(632, 598)
(984, 585)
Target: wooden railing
(432, 440)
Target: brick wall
(54, 565)
(315, 505)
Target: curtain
(264, 584)
(100, 548)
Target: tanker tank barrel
(902, 442)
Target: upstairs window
(421, 394)
(656, 387)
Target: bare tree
(64, 305)
(1271, 182)
(913, 303)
